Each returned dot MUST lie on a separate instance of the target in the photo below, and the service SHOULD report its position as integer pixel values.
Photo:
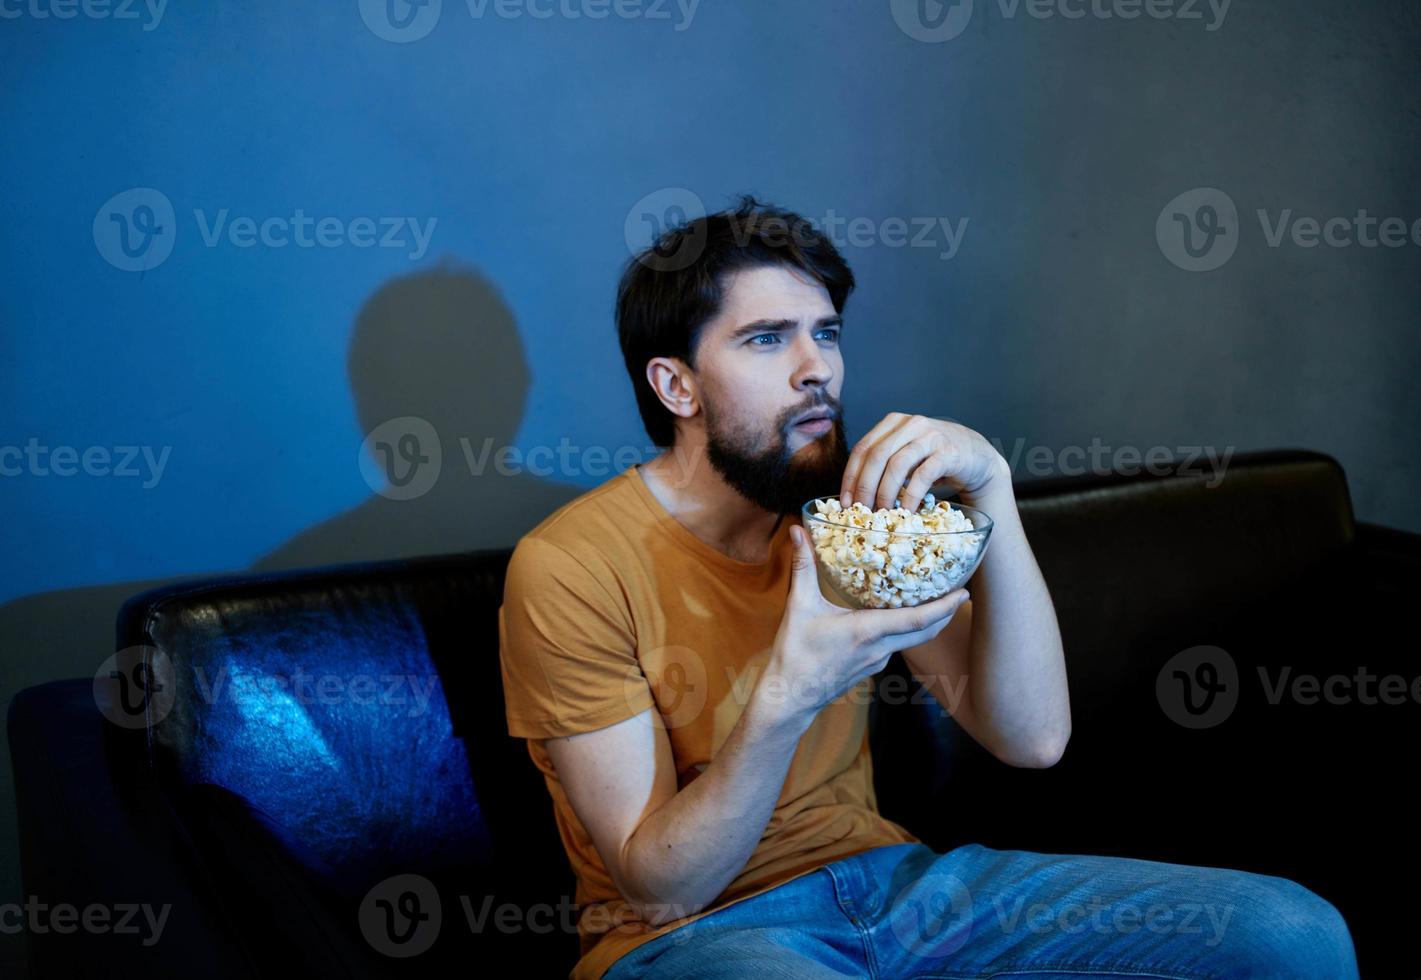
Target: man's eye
(833, 334)
(758, 336)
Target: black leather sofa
(263, 821)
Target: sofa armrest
(95, 831)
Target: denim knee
(1298, 933)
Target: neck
(691, 490)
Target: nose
(813, 368)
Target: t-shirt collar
(684, 536)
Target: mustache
(835, 413)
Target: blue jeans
(905, 910)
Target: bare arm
(999, 669)
(671, 853)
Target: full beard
(774, 479)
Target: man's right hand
(821, 650)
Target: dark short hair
(671, 289)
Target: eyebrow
(771, 326)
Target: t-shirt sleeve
(567, 647)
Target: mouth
(815, 423)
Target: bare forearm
(1017, 675)
(693, 846)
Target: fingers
(803, 556)
(864, 469)
(901, 464)
(802, 572)
(905, 640)
(940, 456)
(923, 479)
(928, 618)
(890, 645)
(885, 646)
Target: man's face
(770, 356)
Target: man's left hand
(905, 455)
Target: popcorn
(892, 557)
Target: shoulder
(587, 511)
(582, 537)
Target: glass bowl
(888, 567)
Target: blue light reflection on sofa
(360, 781)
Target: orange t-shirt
(612, 606)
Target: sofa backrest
(1138, 559)
(415, 772)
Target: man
(698, 708)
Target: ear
(675, 384)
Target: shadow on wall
(441, 349)
(439, 346)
